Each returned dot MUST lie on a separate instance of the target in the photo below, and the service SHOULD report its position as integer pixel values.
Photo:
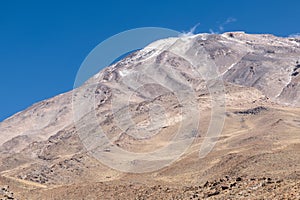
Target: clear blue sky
(43, 43)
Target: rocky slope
(249, 83)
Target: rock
(252, 111)
(238, 179)
(206, 184)
(233, 184)
(213, 193)
(224, 187)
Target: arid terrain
(233, 98)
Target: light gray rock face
(270, 66)
(265, 62)
(36, 123)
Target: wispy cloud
(221, 27)
(211, 31)
(228, 21)
(294, 35)
(191, 31)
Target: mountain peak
(232, 98)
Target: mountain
(202, 116)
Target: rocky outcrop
(252, 111)
(6, 194)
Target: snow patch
(124, 72)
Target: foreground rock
(224, 188)
(6, 194)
